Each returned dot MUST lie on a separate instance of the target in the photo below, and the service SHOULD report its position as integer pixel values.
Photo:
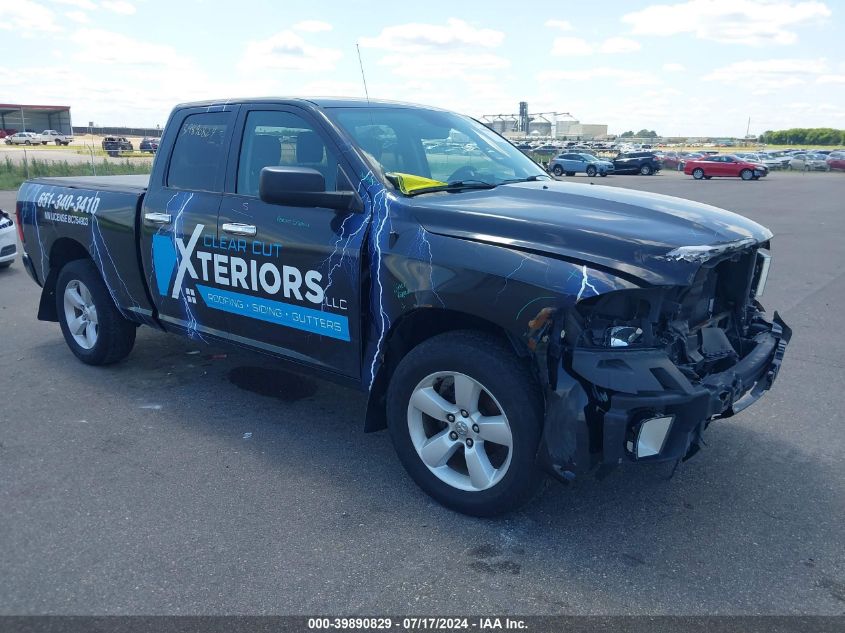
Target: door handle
(235, 228)
(157, 218)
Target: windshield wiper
(534, 178)
(455, 185)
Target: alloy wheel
(81, 314)
(460, 431)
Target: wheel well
(411, 330)
(64, 250)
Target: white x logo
(185, 253)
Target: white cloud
(751, 22)
(623, 77)
(288, 51)
(767, 69)
(831, 79)
(571, 47)
(619, 45)
(78, 16)
(562, 25)
(99, 46)
(119, 6)
(85, 5)
(417, 37)
(312, 26)
(768, 76)
(25, 17)
(673, 67)
(453, 64)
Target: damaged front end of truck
(637, 375)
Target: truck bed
(97, 214)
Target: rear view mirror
(303, 187)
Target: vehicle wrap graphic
(242, 277)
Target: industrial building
(543, 124)
(37, 118)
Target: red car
(724, 165)
(836, 160)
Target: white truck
(57, 137)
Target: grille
(11, 249)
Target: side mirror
(303, 187)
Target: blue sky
(689, 67)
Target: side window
(273, 138)
(198, 152)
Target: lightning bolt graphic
(423, 240)
(381, 210)
(178, 224)
(98, 259)
(508, 278)
(585, 283)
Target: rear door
(179, 220)
(292, 275)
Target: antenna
(363, 77)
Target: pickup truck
(52, 136)
(504, 324)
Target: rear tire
(482, 464)
(698, 173)
(591, 171)
(92, 326)
(646, 170)
(557, 170)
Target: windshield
(419, 150)
(590, 158)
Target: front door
(291, 276)
(179, 220)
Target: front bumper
(603, 399)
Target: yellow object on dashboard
(411, 182)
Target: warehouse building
(36, 118)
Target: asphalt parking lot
(166, 484)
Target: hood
(628, 231)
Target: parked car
(571, 163)
(52, 136)
(542, 326)
(724, 165)
(149, 145)
(7, 132)
(114, 145)
(670, 160)
(23, 138)
(8, 241)
(836, 160)
(809, 162)
(644, 163)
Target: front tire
(92, 326)
(698, 173)
(746, 174)
(465, 417)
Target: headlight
(621, 335)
